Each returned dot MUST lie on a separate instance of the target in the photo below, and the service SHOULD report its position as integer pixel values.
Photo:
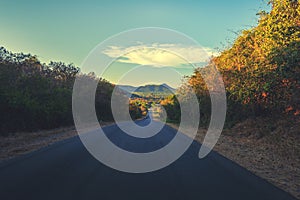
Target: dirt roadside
(270, 153)
(24, 142)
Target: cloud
(174, 55)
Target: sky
(68, 30)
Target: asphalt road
(66, 170)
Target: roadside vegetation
(35, 96)
(138, 107)
(261, 73)
(261, 70)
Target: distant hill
(147, 90)
(127, 88)
(164, 88)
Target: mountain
(127, 88)
(147, 90)
(128, 91)
(154, 90)
(169, 87)
(164, 88)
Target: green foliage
(260, 70)
(138, 108)
(253, 66)
(172, 108)
(38, 96)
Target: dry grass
(24, 142)
(269, 148)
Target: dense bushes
(138, 107)
(172, 108)
(261, 70)
(39, 96)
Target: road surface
(66, 170)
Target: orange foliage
(264, 94)
(288, 109)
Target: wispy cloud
(160, 55)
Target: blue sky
(68, 30)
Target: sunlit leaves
(261, 69)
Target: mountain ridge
(148, 90)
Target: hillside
(154, 90)
(127, 88)
(151, 90)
